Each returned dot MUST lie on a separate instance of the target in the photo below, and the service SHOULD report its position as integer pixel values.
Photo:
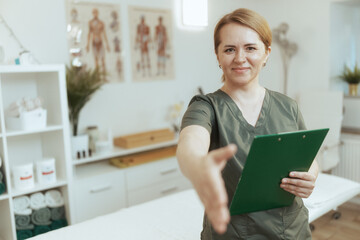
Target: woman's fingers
(219, 218)
(300, 184)
(303, 175)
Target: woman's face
(241, 54)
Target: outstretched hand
(210, 186)
(300, 184)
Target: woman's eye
(251, 48)
(229, 50)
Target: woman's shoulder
(280, 98)
(210, 98)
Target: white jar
(46, 171)
(23, 176)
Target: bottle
(93, 133)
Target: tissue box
(145, 138)
(32, 120)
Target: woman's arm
(203, 169)
(301, 183)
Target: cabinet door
(351, 113)
(158, 190)
(99, 195)
(152, 173)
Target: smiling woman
(241, 54)
(218, 129)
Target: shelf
(11, 133)
(350, 130)
(4, 196)
(30, 68)
(38, 188)
(118, 152)
(349, 96)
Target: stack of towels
(2, 183)
(39, 213)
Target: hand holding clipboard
(271, 158)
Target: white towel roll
(27, 211)
(21, 205)
(54, 199)
(37, 201)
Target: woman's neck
(244, 95)
(248, 100)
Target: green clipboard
(270, 159)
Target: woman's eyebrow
(246, 45)
(229, 45)
(250, 44)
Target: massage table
(329, 193)
(179, 216)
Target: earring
(220, 66)
(264, 64)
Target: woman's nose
(240, 57)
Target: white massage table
(179, 216)
(329, 193)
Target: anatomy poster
(94, 38)
(151, 44)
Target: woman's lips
(240, 69)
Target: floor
(347, 227)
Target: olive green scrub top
(219, 114)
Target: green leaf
(351, 76)
(81, 84)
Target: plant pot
(353, 89)
(80, 146)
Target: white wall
(344, 39)
(131, 107)
(309, 28)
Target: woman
(218, 129)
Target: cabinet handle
(100, 189)
(168, 190)
(164, 172)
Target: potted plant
(81, 84)
(352, 77)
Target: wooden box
(144, 138)
(144, 157)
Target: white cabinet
(101, 188)
(351, 113)
(29, 146)
(154, 180)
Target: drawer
(152, 173)
(99, 195)
(159, 190)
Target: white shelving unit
(20, 147)
(90, 186)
